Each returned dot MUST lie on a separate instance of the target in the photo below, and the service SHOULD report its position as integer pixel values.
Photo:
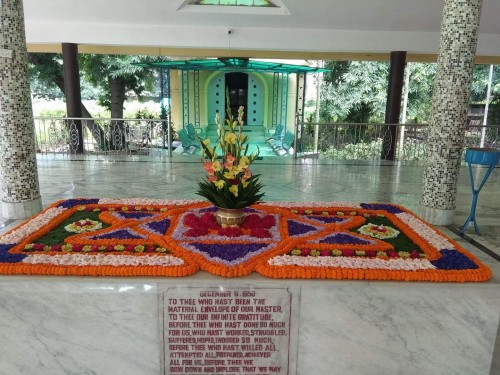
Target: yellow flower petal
(234, 190)
(216, 166)
(229, 175)
(219, 184)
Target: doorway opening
(237, 84)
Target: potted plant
(230, 185)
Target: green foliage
(401, 242)
(145, 113)
(45, 72)
(57, 235)
(420, 92)
(480, 78)
(102, 70)
(370, 150)
(224, 198)
(52, 113)
(354, 90)
(479, 92)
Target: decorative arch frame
(210, 101)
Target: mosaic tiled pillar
(20, 188)
(450, 101)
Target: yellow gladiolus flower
(244, 183)
(219, 184)
(234, 190)
(229, 175)
(244, 162)
(216, 166)
(230, 138)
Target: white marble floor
(63, 177)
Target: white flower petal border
(31, 226)
(313, 204)
(353, 263)
(425, 231)
(147, 201)
(103, 260)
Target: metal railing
(337, 141)
(349, 141)
(102, 135)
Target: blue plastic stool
(482, 156)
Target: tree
(115, 76)
(354, 91)
(47, 78)
(420, 91)
(480, 87)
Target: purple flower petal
(329, 219)
(68, 203)
(381, 206)
(296, 229)
(157, 227)
(453, 260)
(134, 215)
(228, 252)
(6, 257)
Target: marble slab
(112, 326)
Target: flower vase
(230, 216)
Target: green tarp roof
(233, 65)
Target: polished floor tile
(63, 177)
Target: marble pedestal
(107, 326)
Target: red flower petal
(196, 232)
(392, 254)
(305, 252)
(414, 254)
(230, 232)
(260, 233)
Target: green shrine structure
(272, 93)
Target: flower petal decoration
(141, 237)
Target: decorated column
(450, 103)
(20, 188)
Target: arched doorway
(244, 89)
(237, 86)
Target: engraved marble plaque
(227, 330)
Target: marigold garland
(280, 240)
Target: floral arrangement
(149, 237)
(230, 183)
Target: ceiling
(299, 29)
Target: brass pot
(230, 216)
